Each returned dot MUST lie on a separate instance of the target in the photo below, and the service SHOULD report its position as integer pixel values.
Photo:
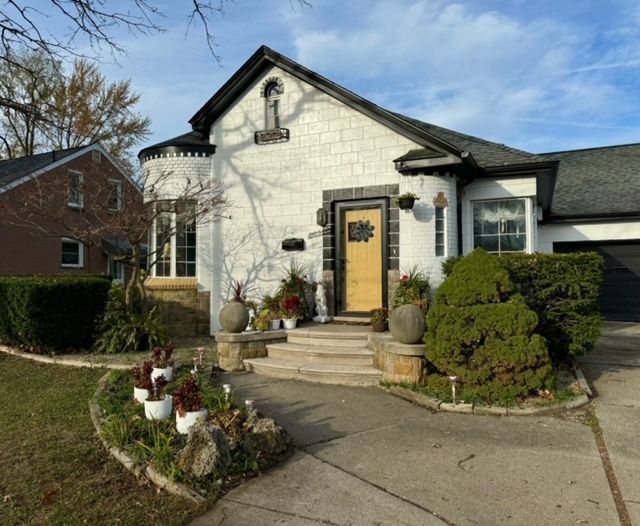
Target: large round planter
(379, 326)
(167, 372)
(184, 423)
(275, 325)
(140, 395)
(158, 409)
(234, 317)
(406, 324)
(289, 323)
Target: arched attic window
(272, 92)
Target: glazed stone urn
(234, 317)
(406, 324)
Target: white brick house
(289, 144)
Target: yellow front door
(362, 235)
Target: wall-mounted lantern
(322, 217)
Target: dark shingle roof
(597, 181)
(192, 138)
(486, 153)
(13, 169)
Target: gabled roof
(476, 151)
(597, 182)
(12, 170)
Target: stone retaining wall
(398, 362)
(233, 348)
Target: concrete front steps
(321, 355)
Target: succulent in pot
(291, 306)
(158, 404)
(142, 382)
(379, 319)
(189, 408)
(162, 359)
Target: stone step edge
(311, 368)
(347, 352)
(329, 335)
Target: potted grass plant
(189, 408)
(158, 404)
(162, 360)
(234, 316)
(142, 382)
(379, 319)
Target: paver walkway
(365, 457)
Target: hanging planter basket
(406, 203)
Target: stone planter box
(399, 362)
(233, 348)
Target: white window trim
(118, 184)
(110, 262)
(529, 221)
(80, 263)
(267, 112)
(70, 203)
(172, 245)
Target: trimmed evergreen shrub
(51, 313)
(563, 290)
(481, 330)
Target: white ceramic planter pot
(140, 395)
(289, 324)
(167, 372)
(158, 410)
(184, 423)
(275, 325)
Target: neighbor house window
(114, 203)
(75, 192)
(116, 270)
(500, 226)
(72, 253)
(441, 238)
(175, 240)
(272, 94)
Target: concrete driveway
(364, 457)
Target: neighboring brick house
(70, 186)
(296, 149)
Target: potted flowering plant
(291, 306)
(188, 399)
(142, 383)
(158, 404)
(163, 362)
(379, 319)
(406, 201)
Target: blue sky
(541, 75)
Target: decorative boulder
(265, 440)
(407, 324)
(234, 317)
(207, 451)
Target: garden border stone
(136, 469)
(72, 362)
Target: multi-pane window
(72, 253)
(500, 226)
(114, 202)
(75, 192)
(116, 270)
(272, 95)
(185, 240)
(175, 240)
(163, 230)
(441, 233)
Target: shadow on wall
(252, 253)
(184, 313)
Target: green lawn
(53, 468)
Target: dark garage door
(620, 296)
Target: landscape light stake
(454, 381)
(248, 404)
(200, 351)
(227, 391)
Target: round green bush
(481, 331)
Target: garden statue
(321, 305)
(252, 317)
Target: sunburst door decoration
(361, 231)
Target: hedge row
(51, 313)
(563, 290)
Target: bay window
(500, 226)
(174, 239)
